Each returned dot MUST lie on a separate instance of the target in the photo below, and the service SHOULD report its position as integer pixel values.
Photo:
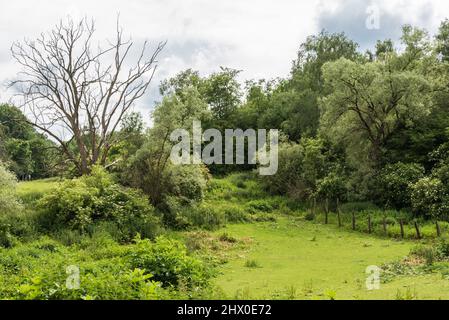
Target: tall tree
(443, 40)
(369, 100)
(68, 87)
(25, 151)
(293, 104)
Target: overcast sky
(260, 37)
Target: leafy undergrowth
(239, 198)
(99, 268)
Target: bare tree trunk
(418, 233)
(67, 86)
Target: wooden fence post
(369, 225)
(314, 206)
(384, 222)
(438, 229)
(418, 233)
(353, 221)
(401, 223)
(338, 213)
(326, 211)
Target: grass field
(31, 190)
(297, 259)
(294, 259)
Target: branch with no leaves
(66, 86)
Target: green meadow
(288, 257)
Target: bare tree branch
(65, 86)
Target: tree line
(356, 126)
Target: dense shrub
(8, 198)
(287, 179)
(429, 199)
(301, 167)
(79, 203)
(332, 187)
(187, 182)
(107, 270)
(395, 182)
(235, 213)
(13, 221)
(167, 260)
(204, 215)
(15, 226)
(261, 205)
(145, 172)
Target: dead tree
(78, 95)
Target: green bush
(39, 271)
(180, 216)
(442, 247)
(261, 205)
(428, 253)
(204, 215)
(167, 260)
(252, 264)
(187, 182)
(79, 203)
(429, 199)
(235, 214)
(15, 226)
(145, 172)
(107, 271)
(395, 184)
(14, 223)
(8, 197)
(301, 167)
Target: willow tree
(77, 92)
(369, 100)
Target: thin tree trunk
(401, 223)
(418, 233)
(438, 229)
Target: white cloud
(260, 37)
